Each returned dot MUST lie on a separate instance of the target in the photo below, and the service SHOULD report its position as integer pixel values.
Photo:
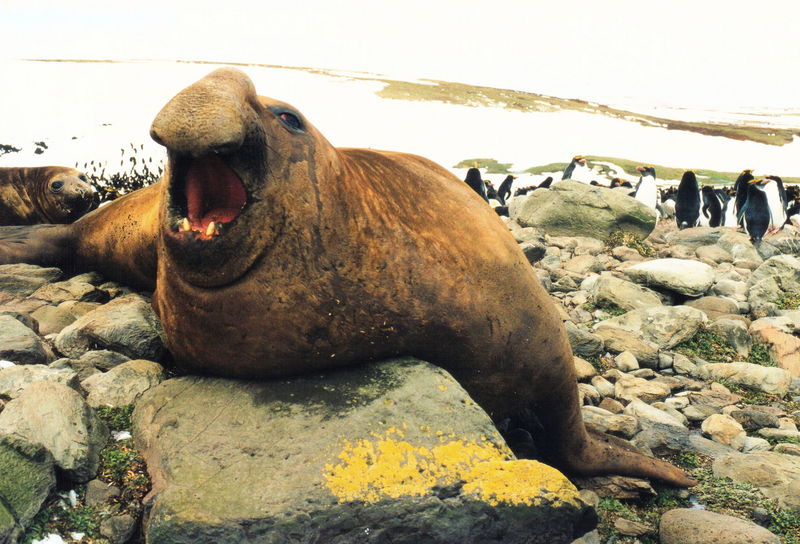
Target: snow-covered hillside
(86, 113)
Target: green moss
(491, 165)
(688, 460)
(788, 301)
(759, 355)
(631, 240)
(709, 346)
(608, 307)
(118, 418)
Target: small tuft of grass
(491, 165)
(788, 301)
(118, 418)
(689, 460)
(707, 345)
(608, 307)
(631, 240)
(759, 355)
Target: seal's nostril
(156, 138)
(225, 148)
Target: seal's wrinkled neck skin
(234, 159)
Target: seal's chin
(206, 197)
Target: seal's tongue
(214, 193)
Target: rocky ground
(686, 344)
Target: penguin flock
(759, 205)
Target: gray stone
(629, 527)
(528, 234)
(767, 379)
(583, 369)
(735, 332)
(690, 278)
(127, 325)
(583, 265)
(685, 525)
(695, 237)
(618, 340)
(736, 290)
(665, 326)
(584, 343)
(714, 307)
(103, 359)
(53, 319)
(20, 280)
(625, 294)
(98, 492)
(603, 386)
(307, 482)
(725, 430)
(776, 475)
(20, 344)
(57, 418)
(626, 362)
(26, 479)
(571, 208)
(714, 253)
(123, 384)
(118, 529)
(623, 425)
(533, 251)
(14, 379)
(72, 289)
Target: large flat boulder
(390, 452)
(571, 208)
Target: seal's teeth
(185, 225)
(211, 229)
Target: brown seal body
(276, 253)
(47, 194)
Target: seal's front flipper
(43, 245)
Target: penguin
(776, 199)
(712, 207)
(546, 183)
(504, 192)
(577, 170)
(475, 181)
(754, 214)
(728, 213)
(687, 202)
(741, 189)
(646, 191)
(491, 193)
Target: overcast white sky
(711, 52)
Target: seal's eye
(57, 186)
(289, 119)
(83, 178)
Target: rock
(72, 289)
(98, 492)
(752, 419)
(83, 370)
(683, 525)
(533, 251)
(624, 254)
(617, 487)
(603, 386)
(103, 359)
(622, 425)
(20, 344)
(626, 362)
(767, 379)
(618, 340)
(754, 444)
(778, 275)
(583, 369)
(714, 307)
(583, 265)
(127, 325)
(571, 208)
(776, 475)
(659, 430)
(725, 430)
(665, 326)
(682, 365)
(57, 418)
(20, 280)
(714, 253)
(784, 348)
(26, 479)
(612, 405)
(629, 527)
(690, 278)
(629, 388)
(310, 482)
(736, 290)
(528, 234)
(118, 529)
(588, 394)
(695, 237)
(787, 448)
(123, 384)
(14, 379)
(735, 332)
(53, 319)
(625, 294)
(584, 343)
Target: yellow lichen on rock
(390, 467)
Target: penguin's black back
(712, 207)
(756, 213)
(687, 201)
(475, 181)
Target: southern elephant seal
(273, 253)
(46, 194)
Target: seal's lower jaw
(205, 225)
